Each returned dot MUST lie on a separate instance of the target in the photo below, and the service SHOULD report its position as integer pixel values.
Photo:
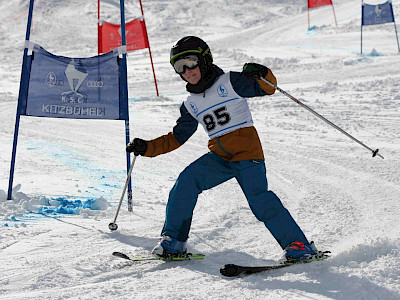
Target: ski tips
(231, 270)
(121, 255)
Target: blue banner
(377, 14)
(80, 88)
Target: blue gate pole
(397, 38)
(395, 28)
(21, 95)
(362, 16)
(124, 96)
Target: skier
(218, 101)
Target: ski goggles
(188, 62)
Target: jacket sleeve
(185, 127)
(248, 87)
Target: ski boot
(297, 252)
(169, 247)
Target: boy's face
(192, 76)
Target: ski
(232, 270)
(183, 257)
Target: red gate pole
(151, 58)
(334, 13)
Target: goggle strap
(200, 51)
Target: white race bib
(221, 110)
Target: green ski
(183, 257)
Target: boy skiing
(218, 101)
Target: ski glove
(137, 146)
(255, 70)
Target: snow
(54, 236)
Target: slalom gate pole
(374, 152)
(113, 226)
(151, 57)
(362, 17)
(124, 95)
(21, 95)
(334, 14)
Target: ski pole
(374, 152)
(113, 226)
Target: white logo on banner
(378, 10)
(51, 80)
(120, 32)
(74, 75)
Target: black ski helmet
(192, 45)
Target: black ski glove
(255, 70)
(137, 146)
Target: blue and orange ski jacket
(241, 144)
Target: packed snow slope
(54, 236)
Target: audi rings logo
(95, 83)
(51, 80)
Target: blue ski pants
(211, 170)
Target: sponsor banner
(318, 3)
(135, 32)
(377, 14)
(82, 88)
